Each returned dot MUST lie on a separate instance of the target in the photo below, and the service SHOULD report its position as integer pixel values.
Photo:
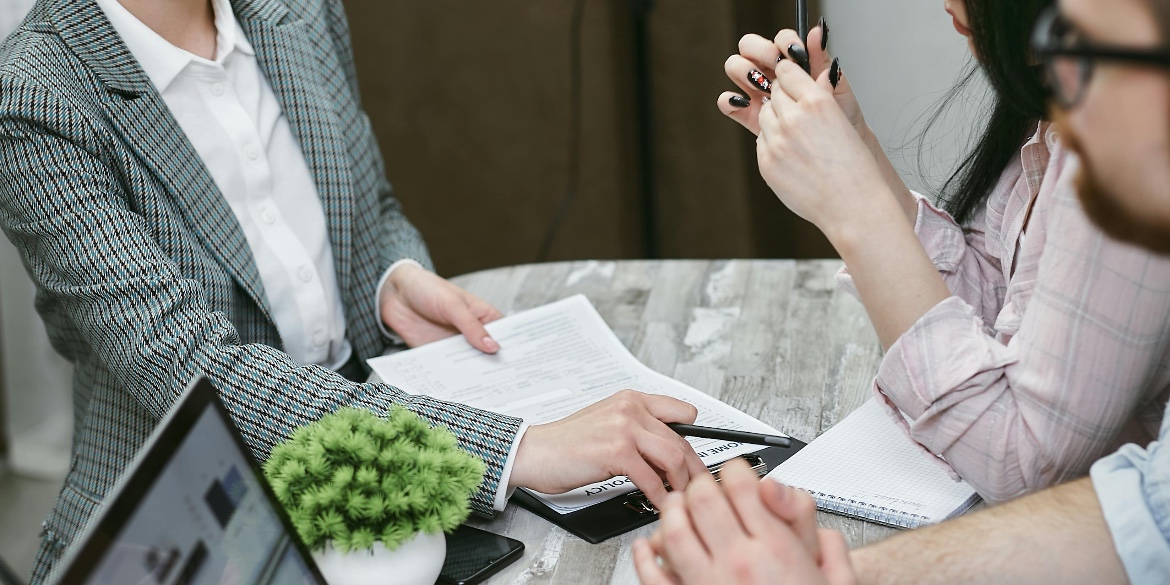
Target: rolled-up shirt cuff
(504, 491)
(942, 352)
(1135, 501)
(900, 421)
(378, 296)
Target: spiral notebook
(865, 467)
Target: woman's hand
(735, 535)
(625, 434)
(760, 54)
(422, 307)
(811, 156)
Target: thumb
(472, 328)
(836, 565)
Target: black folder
(610, 518)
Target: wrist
(518, 478)
(402, 272)
(873, 217)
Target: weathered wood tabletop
(774, 338)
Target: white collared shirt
(233, 119)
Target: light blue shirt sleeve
(1133, 487)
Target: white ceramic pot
(417, 562)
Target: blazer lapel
(140, 114)
(288, 56)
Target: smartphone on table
(473, 555)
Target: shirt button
(305, 273)
(319, 339)
(252, 152)
(217, 89)
(267, 216)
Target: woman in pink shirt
(1022, 343)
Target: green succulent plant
(356, 479)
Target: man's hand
(750, 532)
(625, 434)
(423, 307)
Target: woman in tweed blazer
(145, 279)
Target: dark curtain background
(473, 104)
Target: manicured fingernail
(781, 58)
(766, 100)
(800, 56)
(835, 73)
(491, 344)
(762, 83)
(824, 33)
(739, 101)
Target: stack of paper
(554, 361)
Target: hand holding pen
(754, 69)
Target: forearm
(1054, 536)
(893, 179)
(894, 277)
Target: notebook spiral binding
(878, 514)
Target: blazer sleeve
(100, 271)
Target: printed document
(555, 360)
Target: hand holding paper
(564, 371)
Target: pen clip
(639, 503)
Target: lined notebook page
(866, 467)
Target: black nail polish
(781, 58)
(762, 83)
(835, 73)
(739, 102)
(800, 56)
(824, 34)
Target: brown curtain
(472, 106)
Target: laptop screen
(203, 518)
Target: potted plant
(372, 497)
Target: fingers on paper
(667, 456)
(467, 320)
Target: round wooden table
(774, 338)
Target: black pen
(729, 435)
(802, 20)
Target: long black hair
(1002, 29)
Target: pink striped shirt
(1053, 351)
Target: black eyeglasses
(1069, 60)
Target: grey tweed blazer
(144, 278)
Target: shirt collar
(161, 60)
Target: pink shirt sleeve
(1016, 413)
(970, 271)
